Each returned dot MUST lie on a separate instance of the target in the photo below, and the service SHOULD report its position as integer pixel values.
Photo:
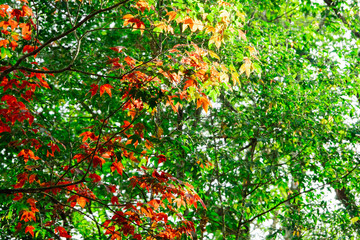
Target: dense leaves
(172, 119)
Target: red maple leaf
(46, 69)
(94, 89)
(112, 60)
(95, 177)
(16, 13)
(137, 22)
(18, 226)
(78, 157)
(162, 158)
(118, 49)
(28, 37)
(62, 232)
(87, 135)
(115, 200)
(28, 48)
(30, 229)
(111, 188)
(98, 161)
(18, 196)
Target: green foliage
(254, 104)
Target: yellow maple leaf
(235, 77)
(161, 26)
(160, 132)
(198, 25)
(241, 15)
(210, 29)
(246, 67)
(212, 54)
(354, 220)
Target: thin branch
(88, 17)
(296, 195)
(70, 68)
(40, 189)
(331, 4)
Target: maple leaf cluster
(100, 154)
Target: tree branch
(332, 5)
(88, 17)
(296, 195)
(40, 189)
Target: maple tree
(172, 119)
(87, 150)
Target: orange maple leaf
(32, 202)
(27, 11)
(13, 45)
(27, 153)
(118, 167)
(189, 83)
(179, 202)
(4, 43)
(32, 178)
(172, 15)
(204, 102)
(106, 88)
(154, 203)
(13, 24)
(25, 28)
(188, 22)
(130, 61)
(15, 36)
(28, 216)
(81, 201)
(142, 5)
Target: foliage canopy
(176, 119)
